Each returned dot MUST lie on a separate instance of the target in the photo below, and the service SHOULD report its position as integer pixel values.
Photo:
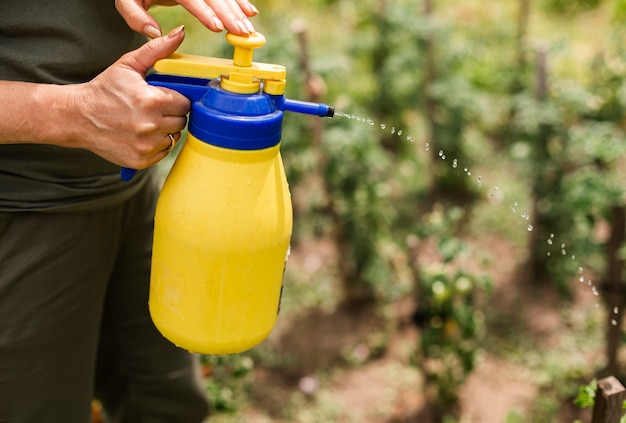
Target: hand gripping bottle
(224, 216)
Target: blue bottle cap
(236, 121)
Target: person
(75, 240)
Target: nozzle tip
(331, 112)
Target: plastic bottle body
(222, 230)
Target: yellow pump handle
(240, 75)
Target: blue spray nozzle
(316, 109)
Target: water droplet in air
(530, 228)
(549, 242)
(427, 146)
(614, 322)
(479, 180)
(393, 129)
(400, 132)
(580, 270)
(410, 138)
(594, 290)
(615, 310)
(454, 163)
(581, 279)
(383, 125)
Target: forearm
(37, 113)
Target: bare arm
(117, 115)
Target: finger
(175, 104)
(219, 14)
(143, 58)
(239, 10)
(248, 8)
(173, 124)
(138, 18)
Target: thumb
(138, 18)
(144, 57)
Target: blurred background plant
(461, 122)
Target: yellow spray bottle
(224, 217)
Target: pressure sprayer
(224, 216)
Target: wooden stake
(609, 398)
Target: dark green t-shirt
(60, 42)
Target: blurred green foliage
(436, 100)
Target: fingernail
(248, 25)
(253, 8)
(218, 24)
(242, 27)
(151, 31)
(175, 32)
